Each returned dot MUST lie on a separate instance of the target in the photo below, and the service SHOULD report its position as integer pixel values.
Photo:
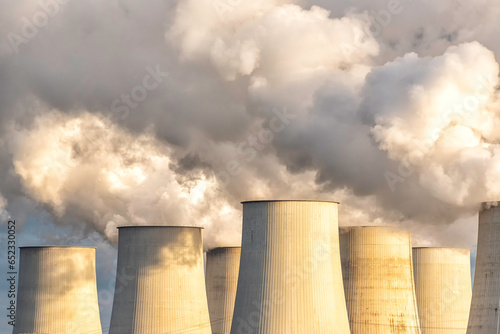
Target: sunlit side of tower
(223, 265)
(443, 289)
(57, 291)
(484, 317)
(378, 277)
(160, 284)
(290, 279)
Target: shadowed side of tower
(223, 265)
(484, 317)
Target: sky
(120, 113)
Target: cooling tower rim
(364, 226)
(225, 247)
(56, 246)
(352, 227)
(374, 229)
(155, 226)
(440, 247)
(489, 205)
(288, 200)
(221, 248)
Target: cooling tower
(378, 276)
(160, 283)
(290, 280)
(57, 291)
(222, 279)
(484, 315)
(443, 289)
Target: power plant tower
(160, 283)
(378, 277)
(57, 291)
(484, 317)
(443, 289)
(223, 264)
(290, 280)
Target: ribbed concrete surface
(443, 289)
(378, 275)
(160, 285)
(57, 291)
(222, 279)
(290, 279)
(484, 315)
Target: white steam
(440, 116)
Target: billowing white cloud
(442, 121)
(88, 170)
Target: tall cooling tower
(484, 315)
(160, 283)
(290, 280)
(378, 276)
(443, 289)
(222, 279)
(57, 291)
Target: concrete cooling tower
(290, 279)
(57, 291)
(222, 279)
(443, 289)
(484, 315)
(160, 283)
(378, 276)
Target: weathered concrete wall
(290, 279)
(57, 291)
(160, 284)
(484, 315)
(223, 265)
(443, 289)
(378, 277)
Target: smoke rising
(89, 170)
(390, 109)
